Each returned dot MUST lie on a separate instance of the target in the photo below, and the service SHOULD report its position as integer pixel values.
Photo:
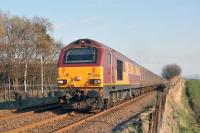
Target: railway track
(27, 116)
(4, 113)
(68, 121)
(78, 123)
(27, 111)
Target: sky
(153, 33)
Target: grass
(189, 115)
(149, 105)
(193, 92)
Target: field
(193, 92)
(192, 104)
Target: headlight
(62, 81)
(95, 81)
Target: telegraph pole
(42, 76)
(25, 77)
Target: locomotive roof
(99, 45)
(88, 41)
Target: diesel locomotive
(93, 75)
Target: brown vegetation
(26, 46)
(171, 116)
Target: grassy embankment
(191, 113)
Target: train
(93, 75)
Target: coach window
(109, 58)
(119, 70)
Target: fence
(11, 92)
(155, 119)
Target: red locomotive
(92, 74)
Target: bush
(171, 70)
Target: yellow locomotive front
(80, 74)
(79, 67)
(80, 77)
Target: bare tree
(171, 70)
(22, 44)
(19, 37)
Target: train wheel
(107, 103)
(92, 102)
(94, 99)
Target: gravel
(17, 122)
(109, 121)
(105, 123)
(53, 126)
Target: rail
(78, 123)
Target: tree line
(27, 48)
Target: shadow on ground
(133, 124)
(28, 102)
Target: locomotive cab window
(81, 55)
(119, 70)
